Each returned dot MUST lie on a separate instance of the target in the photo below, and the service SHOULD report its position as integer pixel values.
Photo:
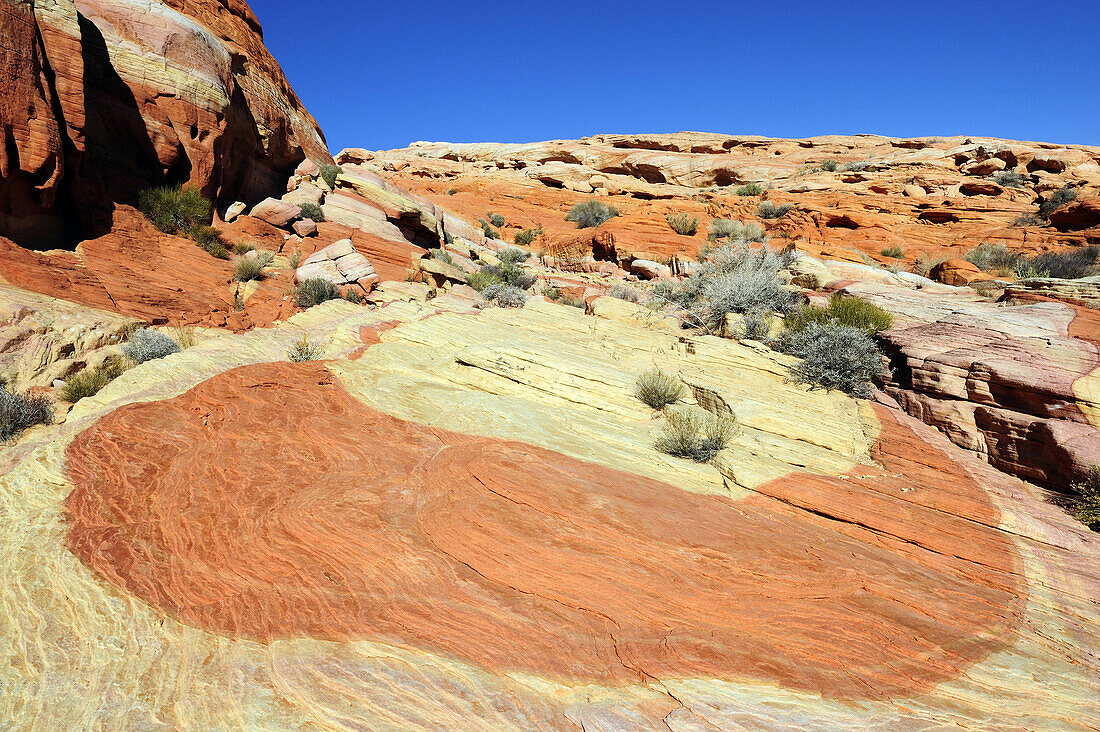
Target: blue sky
(380, 75)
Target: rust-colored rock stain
(269, 503)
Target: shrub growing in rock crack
(314, 291)
(305, 350)
(841, 309)
(488, 230)
(312, 211)
(505, 296)
(248, 268)
(855, 166)
(495, 219)
(1087, 508)
(688, 434)
(993, 257)
(893, 252)
(1057, 199)
(682, 224)
(89, 382)
(657, 389)
(589, 214)
(210, 239)
(329, 173)
(1067, 265)
(1029, 220)
(20, 411)
(769, 210)
(174, 209)
(512, 255)
(833, 357)
(828, 165)
(147, 344)
(1008, 179)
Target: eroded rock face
(111, 96)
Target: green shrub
(1057, 199)
(89, 382)
(657, 389)
(844, 310)
(1067, 265)
(314, 291)
(749, 189)
(1087, 508)
(527, 236)
(295, 258)
(736, 231)
(993, 257)
(20, 411)
(769, 210)
(452, 191)
(248, 268)
(687, 434)
(893, 252)
(243, 248)
(442, 255)
(505, 296)
(511, 255)
(552, 292)
(312, 211)
(210, 239)
(329, 174)
(305, 350)
(1029, 220)
(174, 209)
(495, 219)
(353, 295)
(682, 224)
(828, 165)
(1008, 179)
(483, 278)
(146, 344)
(589, 214)
(833, 357)
(488, 230)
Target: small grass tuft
(688, 434)
(314, 291)
(305, 350)
(589, 214)
(657, 389)
(769, 210)
(248, 268)
(749, 189)
(682, 224)
(329, 173)
(893, 252)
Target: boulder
(957, 272)
(650, 270)
(984, 167)
(234, 210)
(305, 192)
(305, 227)
(810, 273)
(308, 168)
(275, 212)
(340, 264)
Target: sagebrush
(682, 224)
(146, 344)
(657, 389)
(589, 214)
(314, 291)
(20, 411)
(833, 357)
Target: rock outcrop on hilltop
(105, 97)
(928, 196)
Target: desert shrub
(1025, 270)
(682, 224)
(552, 292)
(736, 231)
(174, 209)
(511, 255)
(688, 434)
(312, 211)
(588, 214)
(622, 292)
(1068, 265)
(749, 189)
(305, 350)
(242, 248)
(1087, 508)
(147, 344)
(834, 357)
(452, 191)
(505, 296)
(893, 252)
(926, 262)
(1008, 179)
(314, 291)
(481, 279)
(657, 389)
(828, 164)
(991, 257)
(527, 236)
(1059, 198)
(20, 411)
(1029, 220)
(248, 268)
(769, 210)
(735, 279)
(89, 382)
(488, 230)
(353, 295)
(495, 219)
(210, 239)
(755, 326)
(846, 310)
(855, 166)
(442, 255)
(329, 174)
(295, 258)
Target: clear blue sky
(380, 75)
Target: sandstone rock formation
(106, 97)
(459, 521)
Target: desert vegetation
(1087, 507)
(736, 231)
(329, 173)
(828, 165)
(526, 237)
(305, 350)
(832, 357)
(146, 344)
(91, 381)
(734, 279)
(682, 224)
(1059, 198)
(771, 210)
(590, 214)
(846, 310)
(312, 211)
(314, 291)
(20, 411)
(893, 252)
(1008, 179)
(749, 189)
(692, 435)
(504, 295)
(1069, 264)
(183, 211)
(656, 389)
